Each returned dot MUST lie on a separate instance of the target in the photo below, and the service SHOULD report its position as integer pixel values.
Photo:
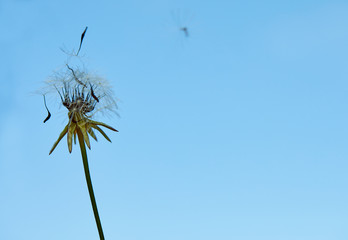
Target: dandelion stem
(89, 183)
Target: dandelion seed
(185, 30)
(82, 37)
(76, 79)
(93, 95)
(182, 19)
(48, 112)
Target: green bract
(85, 126)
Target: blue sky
(237, 132)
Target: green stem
(89, 183)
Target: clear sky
(237, 132)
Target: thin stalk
(89, 184)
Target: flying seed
(185, 30)
(82, 37)
(49, 114)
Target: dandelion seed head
(82, 92)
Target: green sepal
(70, 135)
(102, 124)
(62, 134)
(83, 128)
(102, 132)
(90, 131)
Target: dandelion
(83, 94)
